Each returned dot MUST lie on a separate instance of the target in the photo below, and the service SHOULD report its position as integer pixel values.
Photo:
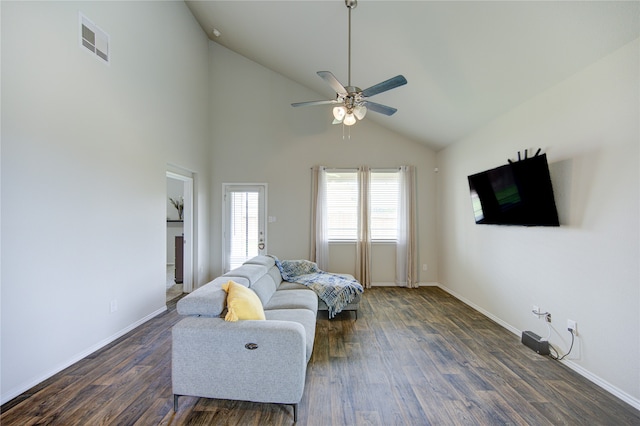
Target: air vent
(94, 39)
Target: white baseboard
(392, 284)
(18, 390)
(634, 402)
(481, 310)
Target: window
(342, 204)
(383, 197)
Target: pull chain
(348, 132)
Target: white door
(244, 223)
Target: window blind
(244, 227)
(342, 204)
(383, 196)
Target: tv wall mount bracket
(526, 155)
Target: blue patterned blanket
(337, 291)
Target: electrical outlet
(547, 317)
(535, 310)
(424, 266)
(114, 305)
(572, 326)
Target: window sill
(389, 242)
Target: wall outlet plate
(535, 310)
(572, 325)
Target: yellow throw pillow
(242, 303)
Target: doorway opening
(180, 234)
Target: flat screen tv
(519, 193)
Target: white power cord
(547, 317)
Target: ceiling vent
(94, 39)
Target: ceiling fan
(351, 101)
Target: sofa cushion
(302, 316)
(293, 299)
(264, 288)
(242, 303)
(275, 274)
(238, 280)
(287, 285)
(250, 272)
(267, 261)
(209, 300)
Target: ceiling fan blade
(392, 83)
(379, 108)
(310, 103)
(332, 81)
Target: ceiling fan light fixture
(339, 112)
(360, 111)
(349, 119)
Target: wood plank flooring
(413, 357)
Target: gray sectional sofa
(250, 360)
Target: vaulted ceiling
(466, 62)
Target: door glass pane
(245, 227)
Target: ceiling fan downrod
(351, 4)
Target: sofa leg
(295, 412)
(175, 403)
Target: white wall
(586, 270)
(259, 137)
(85, 148)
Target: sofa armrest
(260, 361)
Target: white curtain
(363, 245)
(406, 265)
(319, 250)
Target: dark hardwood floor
(413, 357)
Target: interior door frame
(225, 188)
(187, 178)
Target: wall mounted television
(518, 193)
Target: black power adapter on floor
(535, 342)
